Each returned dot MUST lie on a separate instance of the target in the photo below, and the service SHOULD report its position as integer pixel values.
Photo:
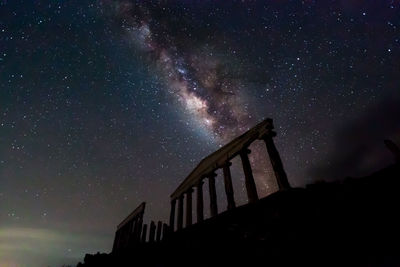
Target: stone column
(132, 225)
(125, 231)
(229, 186)
(116, 240)
(152, 232)
(276, 161)
(180, 213)
(119, 240)
(248, 175)
(144, 233)
(213, 195)
(164, 231)
(139, 229)
(123, 237)
(172, 216)
(200, 209)
(127, 234)
(159, 226)
(189, 207)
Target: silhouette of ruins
(132, 231)
(345, 223)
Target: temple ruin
(132, 231)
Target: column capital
(227, 164)
(211, 175)
(270, 121)
(245, 151)
(268, 134)
(189, 191)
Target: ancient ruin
(132, 231)
(291, 227)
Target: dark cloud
(359, 146)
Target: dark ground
(349, 223)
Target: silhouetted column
(131, 231)
(159, 229)
(165, 231)
(172, 215)
(248, 175)
(123, 237)
(134, 230)
(276, 161)
(119, 240)
(139, 229)
(144, 233)
(229, 186)
(213, 195)
(152, 232)
(200, 209)
(180, 213)
(127, 234)
(116, 240)
(189, 207)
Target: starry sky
(108, 103)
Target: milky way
(195, 76)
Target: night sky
(105, 104)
